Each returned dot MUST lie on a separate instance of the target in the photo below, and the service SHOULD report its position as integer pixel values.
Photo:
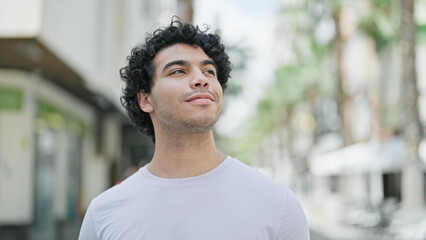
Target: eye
(177, 71)
(209, 72)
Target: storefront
(46, 141)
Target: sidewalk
(405, 226)
(317, 236)
(349, 233)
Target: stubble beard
(177, 123)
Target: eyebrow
(209, 62)
(177, 62)
(186, 63)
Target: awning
(372, 156)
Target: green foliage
(294, 84)
(10, 99)
(239, 57)
(50, 116)
(381, 23)
(304, 78)
(379, 28)
(234, 87)
(307, 76)
(421, 34)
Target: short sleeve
(294, 225)
(88, 231)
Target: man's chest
(186, 222)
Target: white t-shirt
(231, 202)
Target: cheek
(166, 99)
(218, 89)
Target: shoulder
(294, 224)
(254, 179)
(276, 199)
(106, 204)
(115, 196)
(251, 181)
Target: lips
(201, 98)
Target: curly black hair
(139, 72)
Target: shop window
(333, 183)
(392, 185)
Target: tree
(298, 81)
(412, 172)
(343, 99)
(380, 24)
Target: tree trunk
(342, 97)
(412, 172)
(186, 10)
(373, 92)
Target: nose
(199, 80)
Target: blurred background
(327, 97)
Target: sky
(250, 24)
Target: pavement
(317, 236)
(349, 233)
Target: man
(190, 190)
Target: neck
(179, 155)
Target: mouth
(201, 98)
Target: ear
(144, 102)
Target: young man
(190, 190)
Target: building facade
(64, 136)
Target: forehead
(180, 51)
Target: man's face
(186, 95)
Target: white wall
(17, 148)
(93, 37)
(71, 30)
(16, 154)
(20, 18)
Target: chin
(202, 124)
